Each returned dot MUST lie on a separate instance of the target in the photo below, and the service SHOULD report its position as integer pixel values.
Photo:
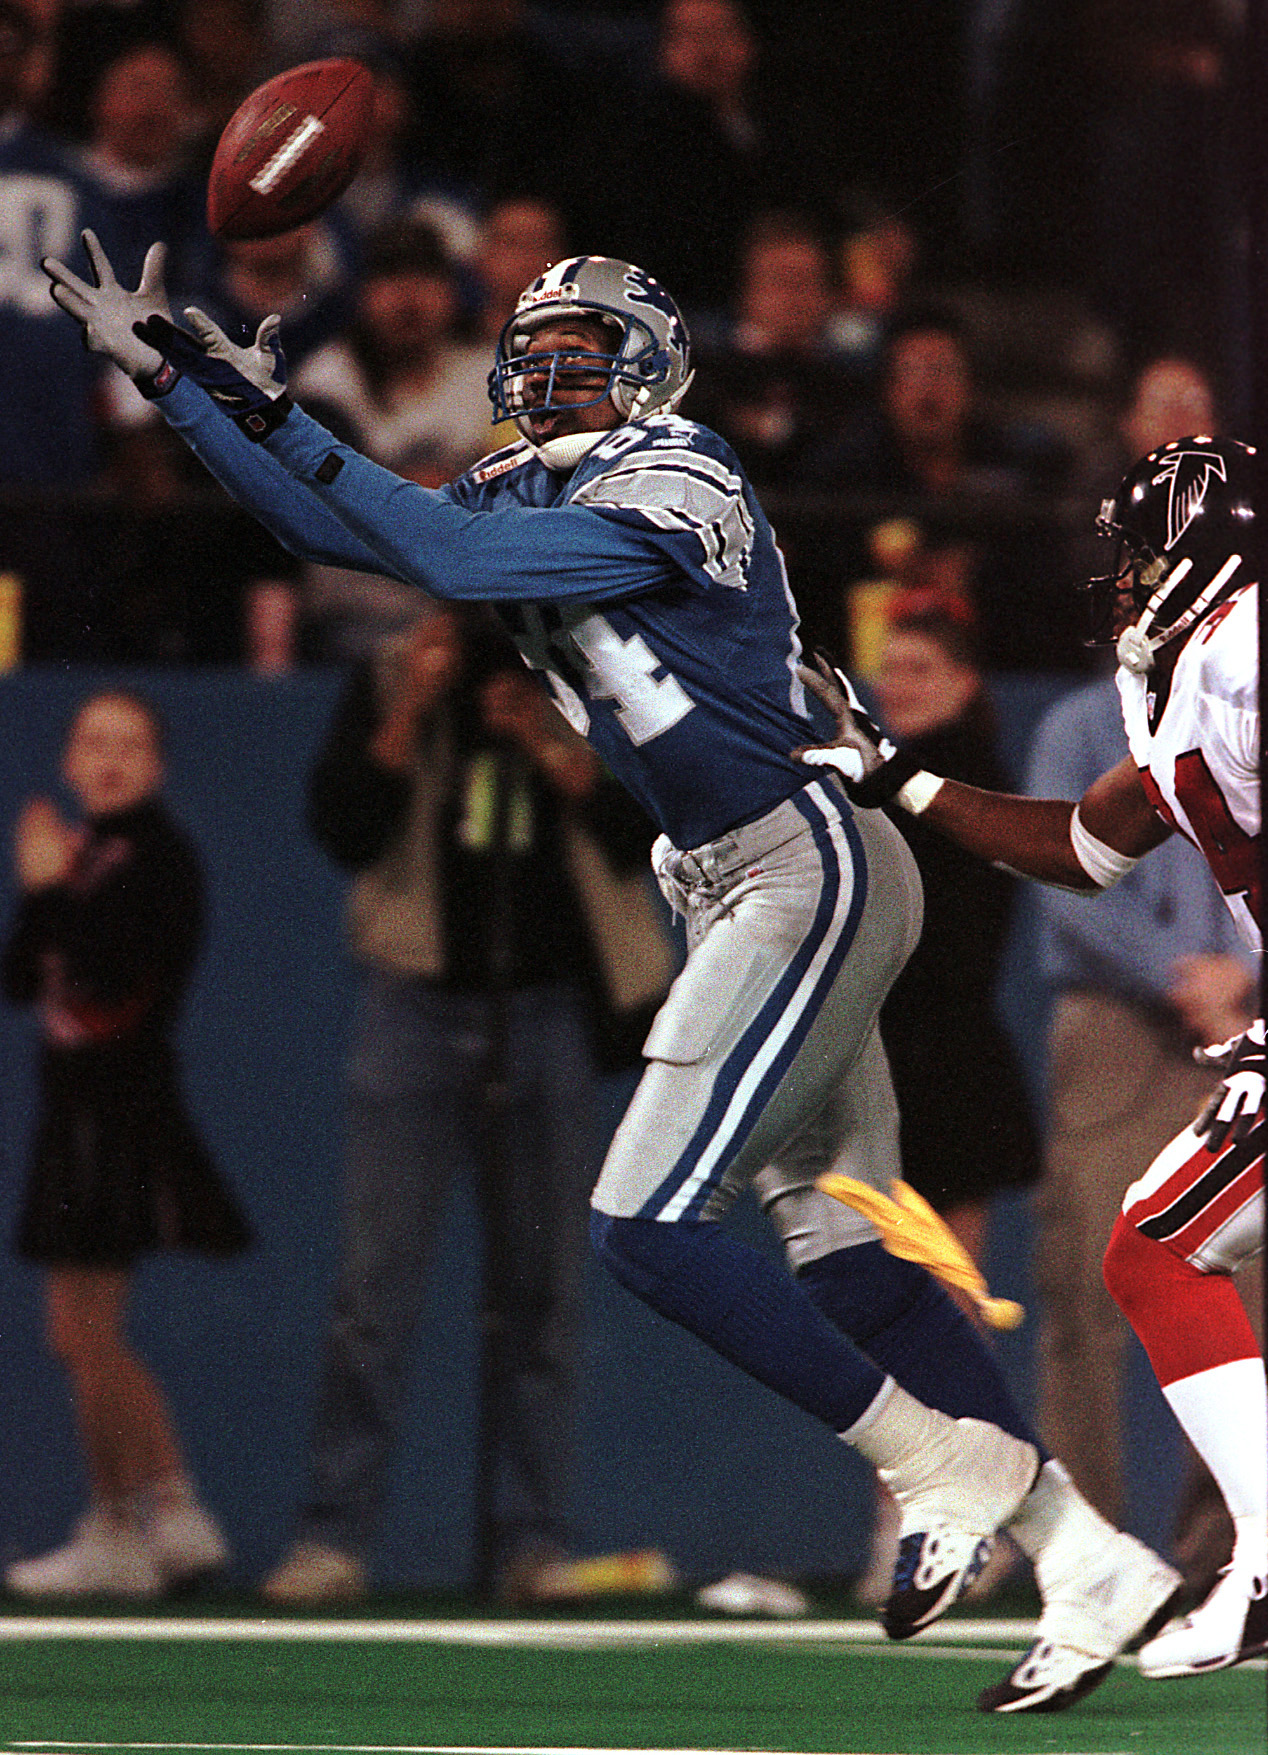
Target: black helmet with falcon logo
(1183, 519)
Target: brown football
(290, 149)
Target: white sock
(896, 1431)
(1053, 1511)
(1224, 1411)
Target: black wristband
(159, 383)
(258, 423)
(883, 784)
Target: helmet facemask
(644, 372)
(1181, 519)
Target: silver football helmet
(646, 372)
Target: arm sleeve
(422, 536)
(355, 806)
(299, 521)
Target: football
(290, 149)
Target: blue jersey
(48, 432)
(646, 587)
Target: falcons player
(1182, 608)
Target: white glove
(1237, 1105)
(874, 769)
(108, 311)
(262, 364)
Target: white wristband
(1103, 864)
(919, 792)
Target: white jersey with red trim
(1200, 762)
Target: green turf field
(238, 1682)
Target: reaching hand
(109, 314)
(872, 769)
(249, 383)
(1238, 1104)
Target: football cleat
(935, 1566)
(1118, 1596)
(1229, 1627)
(1048, 1679)
(968, 1479)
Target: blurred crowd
(923, 282)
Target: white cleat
(971, 1477)
(1229, 1627)
(1114, 1594)
(103, 1558)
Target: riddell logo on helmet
(550, 295)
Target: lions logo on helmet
(646, 372)
(1182, 518)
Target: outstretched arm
(1037, 837)
(116, 320)
(257, 481)
(1087, 846)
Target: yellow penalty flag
(911, 1229)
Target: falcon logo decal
(1190, 473)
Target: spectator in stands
(967, 1131)
(495, 106)
(82, 40)
(102, 945)
(519, 237)
(690, 158)
(228, 48)
(930, 434)
(482, 917)
(1171, 396)
(141, 124)
(777, 387)
(391, 184)
(877, 260)
(398, 383)
(48, 434)
(927, 449)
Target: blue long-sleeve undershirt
(370, 519)
(510, 552)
